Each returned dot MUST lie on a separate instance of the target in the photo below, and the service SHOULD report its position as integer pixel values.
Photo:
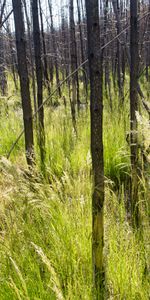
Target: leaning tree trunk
(24, 80)
(96, 98)
(133, 108)
(39, 77)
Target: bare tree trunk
(73, 55)
(148, 49)
(50, 61)
(96, 98)
(13, 57)
(82, 51)
(39, 77)
(24, 80)
(31, 56)
(107, 65)
(3, 78)
(65, 42)
(44, 51)
(54, 47)
(118, 27)
(133, 108)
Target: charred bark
(24, 80)
(96, 100)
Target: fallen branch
(6, 18)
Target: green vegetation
(45, 224)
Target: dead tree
(44, 51)
(39, 78)
(73, 57)
(13, 60)
(3, 77)
(31, 56)
(82, 51)
(54, 47)
(96, 99)
(24, 80)
(148, 48)
(118, 57)
(134, 71)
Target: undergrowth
(45, 240)
(45, 224)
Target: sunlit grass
(45, 224)
(45, 241)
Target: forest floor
(45, 224)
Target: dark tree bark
(148, 48)
(39, 77)
(96, 98)
(134, 71)
(3, 5)
(24, 80)
(3, 77)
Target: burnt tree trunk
(24, 80)
(3, 77)
(118, 27)
(31, 57)
(82, 51)
(96, 99)
(73, 56)
(134, 63)
(54, 48)
(12, 57)
(148, 49)
(44, 51)
(39, 77)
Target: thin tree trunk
(54, 47)
(44, 51)
(3, 77)
(118, 27)
(31, 56)
(24, 80)
(73, 55)
(148, 49)
(13, 57)
(133, 108)
(96, 98)
(39, 77)
(82, 51)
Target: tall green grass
(45, 224)
(45, 240)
